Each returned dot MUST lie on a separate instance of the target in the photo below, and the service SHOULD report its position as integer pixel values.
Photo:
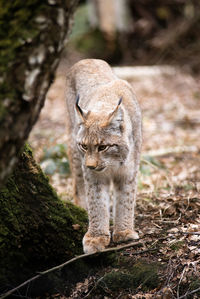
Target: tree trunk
(37, 230)
(32, 35)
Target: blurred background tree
(139, 32)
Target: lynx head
(100, 137)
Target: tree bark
(32, 35)
(36, 229)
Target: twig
(181, 278)
(189, 293)
(168, 221)
(90, 254)
(20, 286)
(93, 288)
(170, 270)
(185, 233)
(73, 260)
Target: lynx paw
(125, 235)
(94, 244)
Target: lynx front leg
(98, 235)
(124, 210)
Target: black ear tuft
(77, 99)
(77, 105)
(120, 100)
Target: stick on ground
(73, 260)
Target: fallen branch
(189, 293)
(73, 260)
(90, 254)
(185, 233)
(20, 286)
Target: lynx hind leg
(79, 188)
(79, 193)
(78, 182)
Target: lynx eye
(102, 148)
(83, 147)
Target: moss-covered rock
(37, 230)
(141, 274)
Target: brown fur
(104, 141)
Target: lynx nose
(91, 163)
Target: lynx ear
(117, 114)
(81, 112)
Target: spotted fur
(104, 141)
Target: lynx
(104, 142)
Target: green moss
(177, 245)
(19, 35)
(145, 274)
(195, 284)
(117, 281)
(141, 274)
(36, 227)
(17, 26)
(17, 29)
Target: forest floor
(168, 200)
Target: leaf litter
(168, 201)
